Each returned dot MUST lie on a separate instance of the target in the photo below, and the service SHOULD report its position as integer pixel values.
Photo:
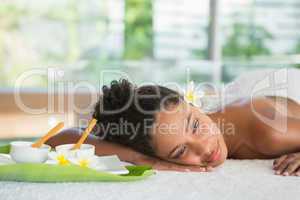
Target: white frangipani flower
(191, 96)
(75, 157)
(85, 161)
(59, 158)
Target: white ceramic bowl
(22, 152)
(85, 150)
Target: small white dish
(85, 150)
(22, 152)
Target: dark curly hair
(123, 104)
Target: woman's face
(185, 135)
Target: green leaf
(5, 149)
(32, 172)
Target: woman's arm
(72, 135)
(280, 139)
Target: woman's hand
(159, 164)
(287, 165)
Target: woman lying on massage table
(154, 125)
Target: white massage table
(236, 179)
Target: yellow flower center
(84, 163)
(190, 96)
(62, 160)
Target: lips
(215, 155)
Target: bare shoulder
(275, 131)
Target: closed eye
(195, 125)
(179, 152)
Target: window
(86, 37)
(137, 37)
(73, 35)
(259, 34)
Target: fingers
(287, 165)
(209, 169)
(278, 161)
(162, 165)
(297, 173)
(180, 168)
(292, 167)
(283, 165)
(203, 169)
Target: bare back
(267, 127)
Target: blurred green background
(141, 36)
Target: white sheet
(236, 179)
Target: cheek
(191, 159)
(224, 151)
